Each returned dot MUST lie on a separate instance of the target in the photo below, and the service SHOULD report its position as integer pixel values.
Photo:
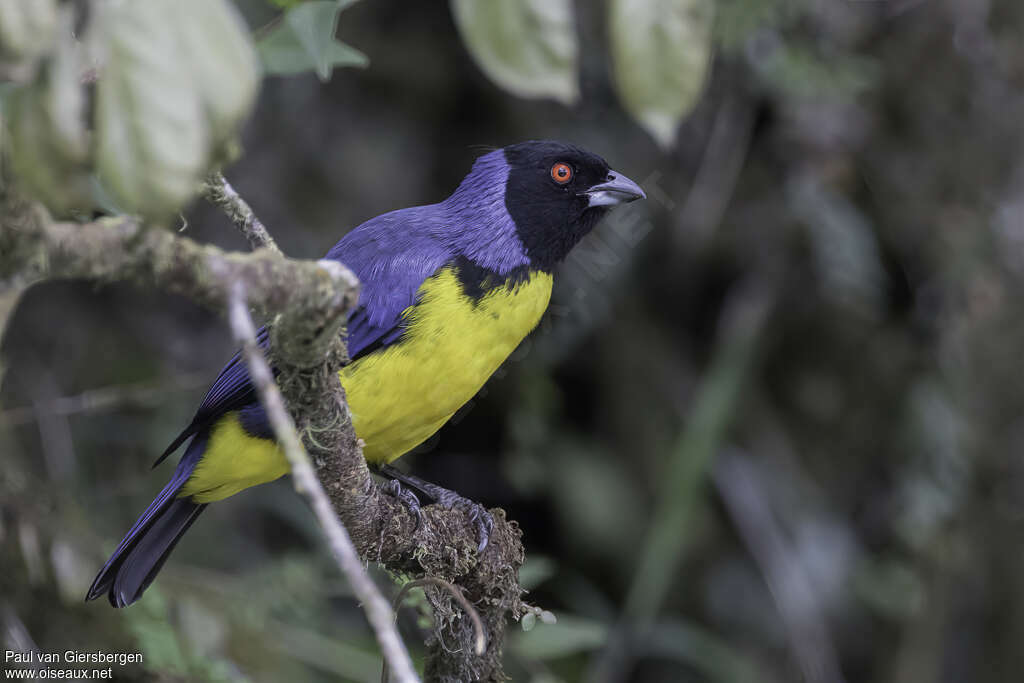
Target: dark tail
(149, 542)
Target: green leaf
(799, 71)
(660, 55)
(569, 636)
(178, 78)
(304, 41)
(715, 406)
(224, 65)
(691, 644)
(528, 47)
(49, 143)
(27, 27)
(536, 570)
(153, 136)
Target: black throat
(476, 280)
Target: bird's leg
(446, 498)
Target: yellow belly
(233, 461)
(400, 395)
(403, 394)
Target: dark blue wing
(230, 391)
(391, 255)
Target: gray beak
(617, 189)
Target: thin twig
(218, 191)
(378, 611)
(480, 643)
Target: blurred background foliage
(769, 430)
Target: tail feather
(144, 549)
(143, 562)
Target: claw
(478, 514)
(405, 496)
(446, 498)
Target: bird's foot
(446, 498)
(405, 496)
(478, 514)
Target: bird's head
(541, 198)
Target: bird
(449, 290)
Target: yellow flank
(400, 395)
(233, 461)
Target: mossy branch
(376, 607)
(122, 249)
(218, 191)
(306, 301)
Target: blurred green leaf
(536, 570)
(152, 135)
(569, 636)
(737, 21)
(598, 501)
(305, 41)
(338, 656)
(847, 255)
(798, 69)
(714, 409)
(660, 55)
(101, 198)
(890, 587)
(700, 649)
(177, 80)
(27, 27)
(155, 635)
(49, 143)
(171, 648)
(528, 47)
(71, 569)
(225, 67)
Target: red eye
(561, 173)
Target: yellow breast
(401, 395)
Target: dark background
(801, 356)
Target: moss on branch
(307, 302)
